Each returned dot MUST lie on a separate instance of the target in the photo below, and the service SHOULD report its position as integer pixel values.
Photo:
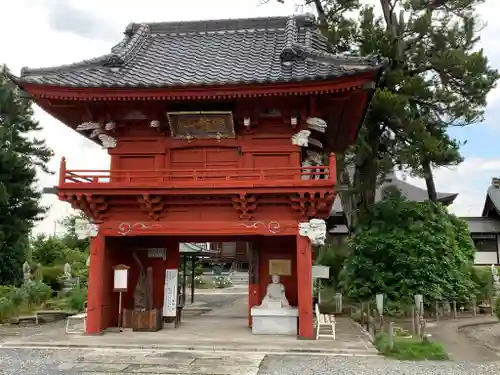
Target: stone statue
(315, 230)
(26, 272)
(301, 138)
(496, 278)
(275, 294)
(67, 271)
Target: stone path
(72, 361)
(459, 346)
(161, 362)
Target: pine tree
(21, 153)
(436, 77)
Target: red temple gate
(217, 131)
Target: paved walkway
(160, 362)
(459, 346)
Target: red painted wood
(95, 318)
(304, 280)
(202, 92)
(204, 228)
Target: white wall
(486, 258)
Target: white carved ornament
(315, 123)
(301, 138)
(85, 229)
(106, 140)
(315, 230)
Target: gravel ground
(315, 365)
(46, 362)
(488, 333)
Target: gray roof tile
(411, 192)
(259, 50)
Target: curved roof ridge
(120, 54)
(372, 60)
(225, 24)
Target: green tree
(20, 155)
(70, 238)
(402, 248)
(436, 77)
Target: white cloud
(470, 180)
(35, 33)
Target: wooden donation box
(148, 319)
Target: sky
(40, 33)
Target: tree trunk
(429, 180)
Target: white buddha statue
(275, 294)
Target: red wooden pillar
(304, 287)
(95, 316)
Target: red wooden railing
(132, 177)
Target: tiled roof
(242, 51)
(411, 192)
(492, 203)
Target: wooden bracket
(245, 205)
(154, 206)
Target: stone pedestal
(274, 321)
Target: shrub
(77, 298)
(402, 248)
(221, 281)
(52, 276)
(7, 308)
(6, 290)
(497, 308)
(36, 292)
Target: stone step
(235, 348)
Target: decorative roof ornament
(107, 141)
(88, 125)
(113, 61)
(316, 123)
(85, 229)
(495, 182)
(315, 230)
(301, 138)
(315, 143)
(110, 126)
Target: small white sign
(320, 272)
(121, 279)
(170, 294)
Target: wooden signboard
(280, 267)
(201, 125)
(120, 281)
(170, 294)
